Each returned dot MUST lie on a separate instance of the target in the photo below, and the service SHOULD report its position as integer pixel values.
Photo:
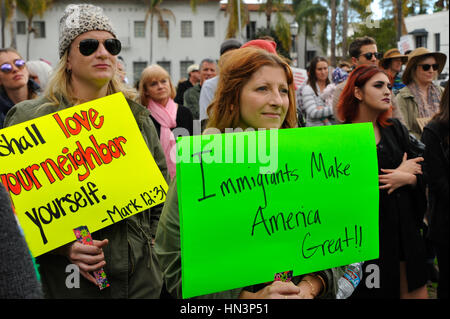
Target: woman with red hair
(400, 269)
(255, 90)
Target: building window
(137, 70)
(162, 27)
(183, 68)
(165, 65)
(39, 29)
(251, 30)
(309, 56)
(437, 42)
(21, 27)
(139, 29)
(186, 29)
(421, 41)
(209, 28)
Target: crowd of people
(251, 86)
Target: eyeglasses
(369, 55)
(89, 46)
(426, 67)
(7, 67)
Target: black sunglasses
(369, 55)
(7, 67)
(426, 67)
(89, 46)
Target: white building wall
(123, 13)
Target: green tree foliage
(154, 10)
(232, 7)
(282, 26)
(385, 35)
(31, 8)
(440, 5)
(261, 32)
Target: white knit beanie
(78, 19)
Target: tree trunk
(12, 25)
(268, 15)
(399, 19)
(333, 33)
(30, 29)
(151, 39)
(306, 44)
(344, 29)
(3, 17)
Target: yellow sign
(85, 165)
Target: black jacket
(435, 136)
(182, 87)
(400, 221)
(5, 102)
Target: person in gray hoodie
(18, 278)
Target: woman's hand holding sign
(276, 290)
(88, 258)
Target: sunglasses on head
(7, 67)
(369, 55)
(89, 46)
(426, 67)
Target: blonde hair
(60, 86)
(150, 73)
(31, 93)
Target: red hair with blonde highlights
(237, 69)
(348, 105)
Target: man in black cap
(194, 77)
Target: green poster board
(253, 204)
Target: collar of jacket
(33, 86)
(405, 92)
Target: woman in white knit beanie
(40, 73)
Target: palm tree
(30, 8)
(282, 27)
(344, 28)
(404, 12)
(153, 10)
(8, 17)
(194, 4)
(333, 32)
(236, 23)
(307, 15)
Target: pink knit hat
(267, 45)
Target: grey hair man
(191, 97)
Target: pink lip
(17, 77)
(272, 115)
(387, 100)
(101, 66)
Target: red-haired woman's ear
(358, 94)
